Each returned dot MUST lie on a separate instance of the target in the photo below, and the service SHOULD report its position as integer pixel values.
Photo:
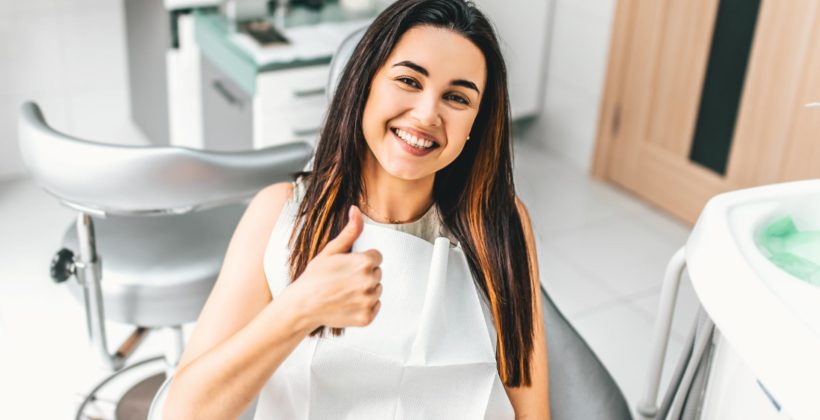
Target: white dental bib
(428, 354)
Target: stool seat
(158, 271)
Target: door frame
(609, 111)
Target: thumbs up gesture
(340, 288)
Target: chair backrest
(580, 385)
(340, 59)
(124, 179)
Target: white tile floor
(602, 255)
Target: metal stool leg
(87, 267)
(88, 270)
(174, 349)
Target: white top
(429, 353)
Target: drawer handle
(299, 132)
(223, 90)
(309, 92)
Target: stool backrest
(125, 179)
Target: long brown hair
(475, 193)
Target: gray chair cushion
(158, 271)
(580, 386)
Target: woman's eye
(409, 81)
(413, 83)
(459, 99)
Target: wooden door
(705, 96)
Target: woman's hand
(340, 288)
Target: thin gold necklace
(394, 221)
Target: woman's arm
(533, 402)
(242, 335)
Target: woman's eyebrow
(458, 82)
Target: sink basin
(754, 261)
(795, 251)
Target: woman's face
(423, 102)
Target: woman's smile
(411, 144)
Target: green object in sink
(794, 251)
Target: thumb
(344, 241)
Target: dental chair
(580, 386)
(152, 228)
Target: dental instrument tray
(263, 32)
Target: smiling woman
(423, 97)
(418, 135)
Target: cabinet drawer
(304, 86)
(227, 112)
(289, 105)
(288, 125)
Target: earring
(468, 137)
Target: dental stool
(580, 386)
(152, 228)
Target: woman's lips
(415, 151)
(418, 134)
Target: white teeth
(413, 140)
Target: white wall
(523, 30)
(69, 57)
(575, 79)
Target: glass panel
(723, 84)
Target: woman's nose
(426, 111)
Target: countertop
(314, 36)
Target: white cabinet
(289, 105)
(210, 110)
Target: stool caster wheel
(62, 265)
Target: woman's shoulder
(274, 196)
(266, 206)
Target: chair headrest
(340, 59)
(124, 179)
